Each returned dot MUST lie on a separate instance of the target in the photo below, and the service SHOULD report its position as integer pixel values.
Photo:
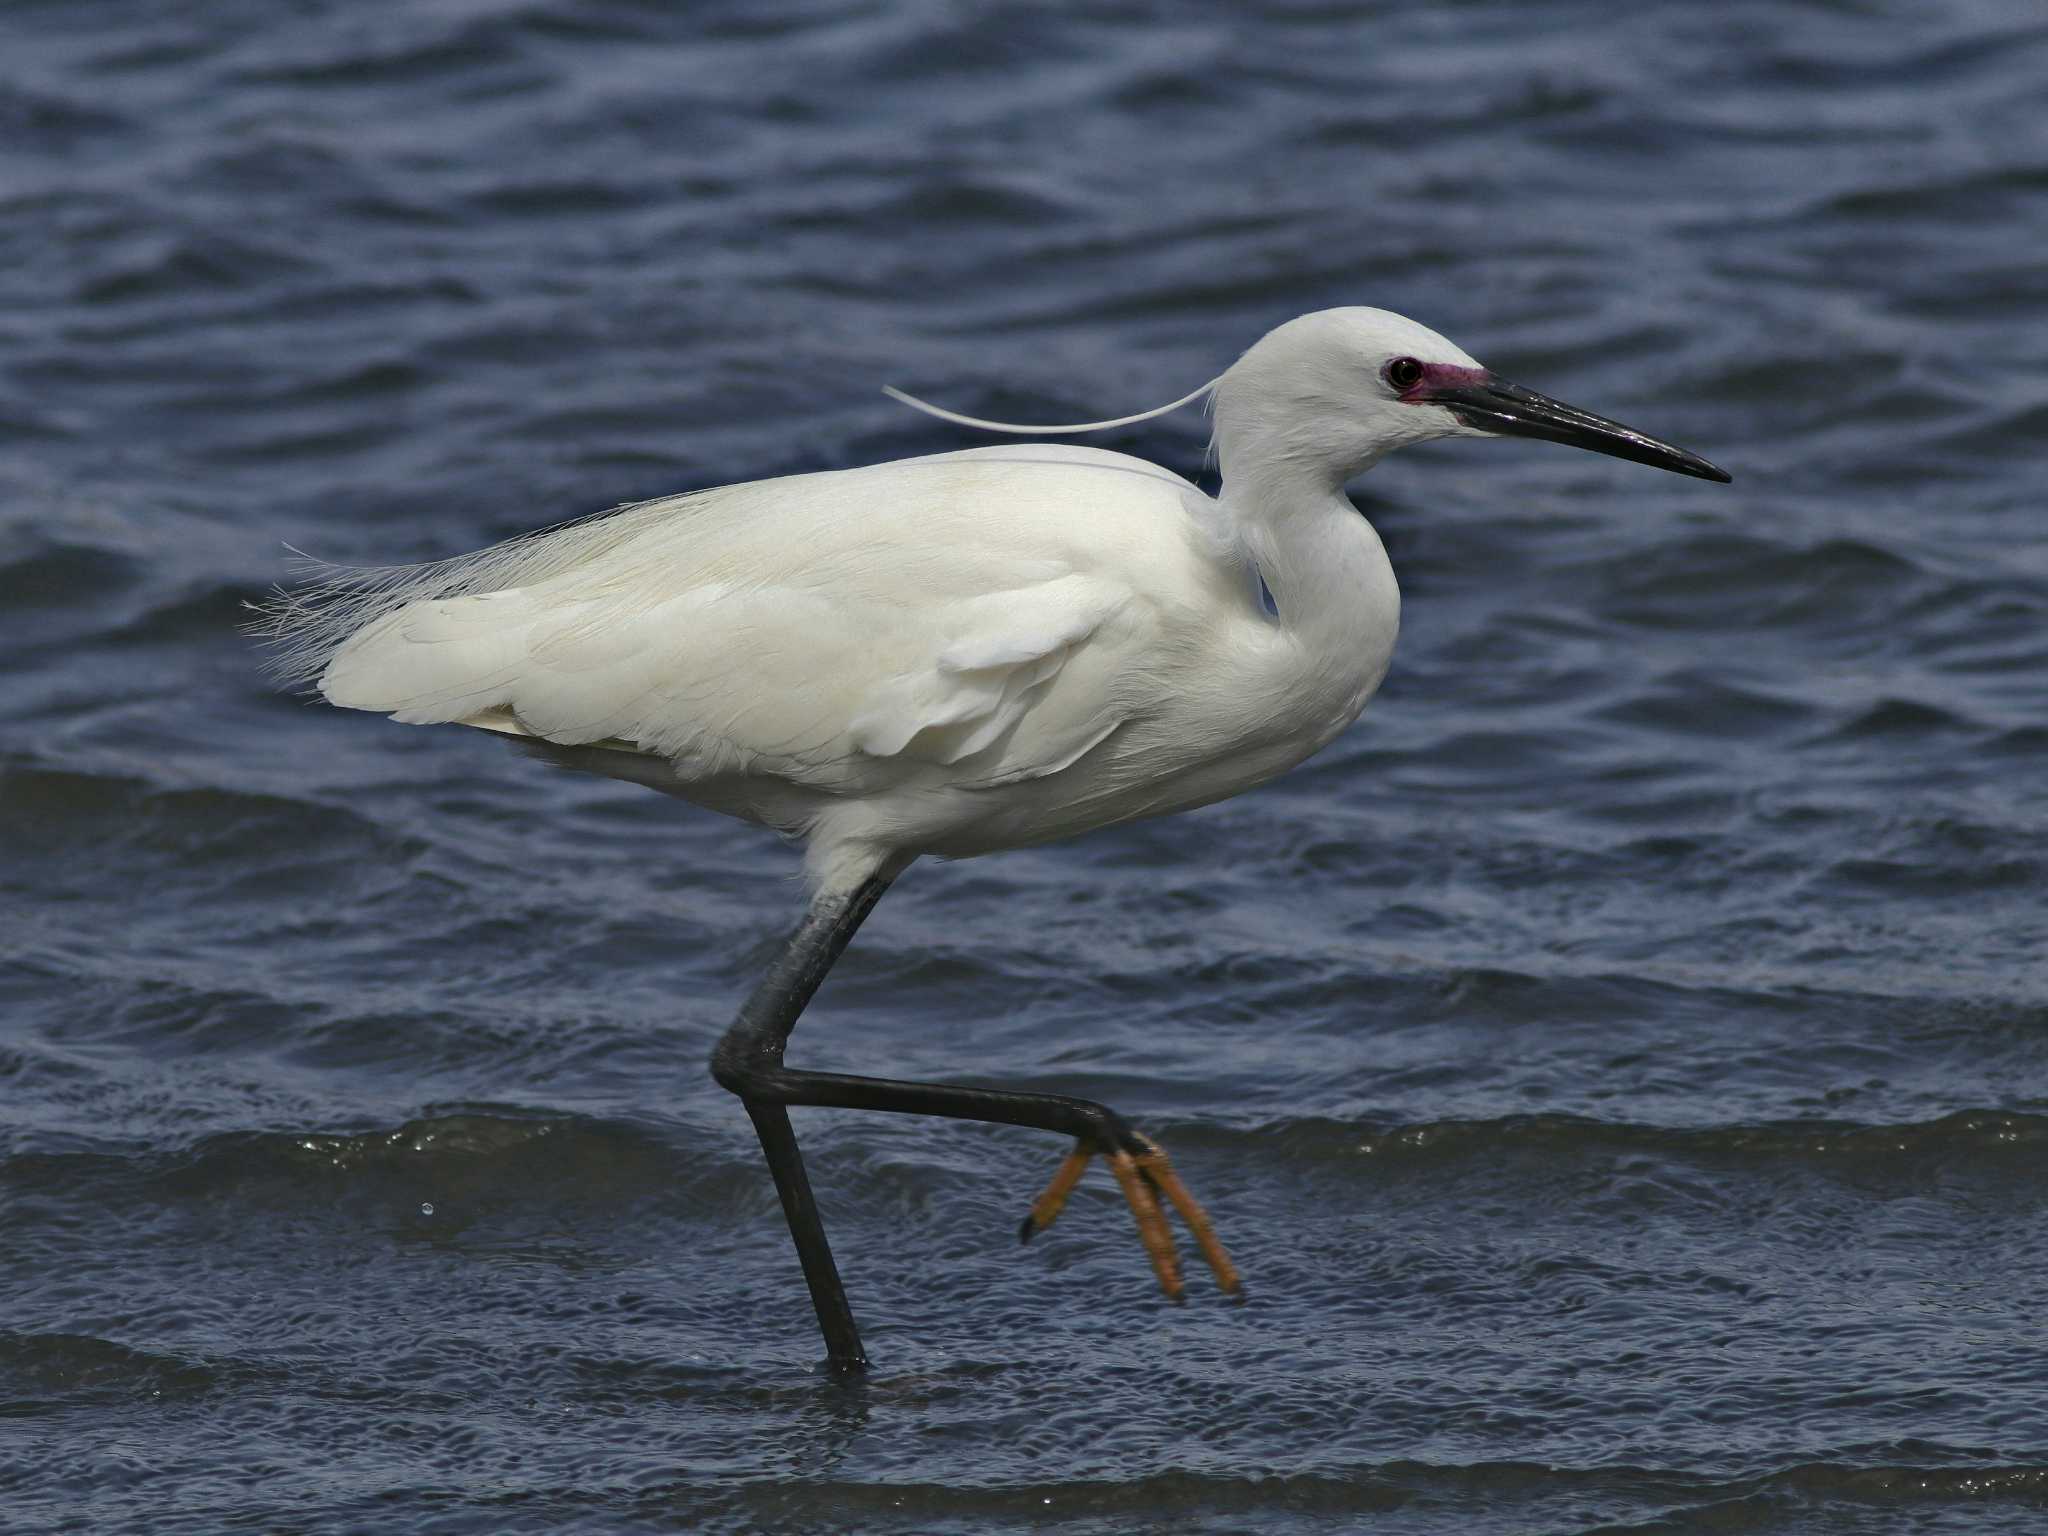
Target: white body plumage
(959, 653)
(948, 655)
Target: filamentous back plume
(1040, 429)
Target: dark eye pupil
(1404, 372)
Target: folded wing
(835, 631)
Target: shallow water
(1620, 1063)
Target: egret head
(1328, 393)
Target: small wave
(1707, 703)
(41, 1371)
(34, 122)
(181, 265)
(1904, 720)
(954, 201)
(1549, 1494)
(2015, 1138)
(1735, 581)
(61, 576)
(461, 1161)
(1998, 193)
(389, 55)
(1992, 435)
(49, 809)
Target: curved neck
(1323, 562)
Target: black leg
(748, 1061)
(800, 1210)
(755, 1041)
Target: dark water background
(1620, 1063)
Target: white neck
(1316, 551)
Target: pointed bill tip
(1677, 460)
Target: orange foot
(1143, 1175)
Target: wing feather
(834, 630)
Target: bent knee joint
(739, 1065)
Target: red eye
(1404, 373)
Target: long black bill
(1494, 405)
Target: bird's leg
(748, 1061)
(755, 1041)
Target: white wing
(835, 631)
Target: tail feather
(307, 625)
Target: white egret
(950, 655)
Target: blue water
(1620, 1063)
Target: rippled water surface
(1620, 1062)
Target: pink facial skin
(1436, 376)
